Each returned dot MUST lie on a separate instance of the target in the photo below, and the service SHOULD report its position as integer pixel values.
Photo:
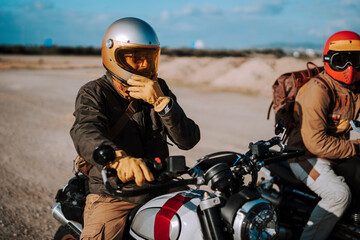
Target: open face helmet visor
(140, 60)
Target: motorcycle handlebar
(174, 165)
(119, 192)
(287, 153)
(105, 154)
(260, 150)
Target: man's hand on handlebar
(130, 168)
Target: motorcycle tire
(63, 234)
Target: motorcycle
(227, 208)
(295, 201)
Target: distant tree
(178, 52)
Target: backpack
(285, 89)
(72, 198)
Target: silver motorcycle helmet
(130, 46)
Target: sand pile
(253, 75)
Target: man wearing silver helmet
(130, 53)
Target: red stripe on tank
(165, 214)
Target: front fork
(210, 220)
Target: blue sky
(230, 24)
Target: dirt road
(37, 151)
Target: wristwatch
(166, 108)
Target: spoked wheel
(63, 234)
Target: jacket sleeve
(313, 101)
(90, 128)
(183, 131)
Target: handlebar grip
(272, 142)
(104, 154)
(261, 148)
(289, 152)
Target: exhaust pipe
(74, 228)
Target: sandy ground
(37, 96)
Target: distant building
(198, 44)
(309, 52)
(48, 43)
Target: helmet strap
(119, 84)
(120, 88)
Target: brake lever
(289, 152)
(281, 145)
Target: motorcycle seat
(282, 170)
(350, 169)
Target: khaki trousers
(335, 195)
(104, 217)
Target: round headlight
(257, 219)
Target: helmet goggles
(341, 60)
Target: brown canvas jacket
(98, 107)
(324, 128)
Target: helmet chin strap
(120, 84)
(123, 81)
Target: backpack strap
(311, 71)
(125, 117)
(269, 110)
(329, 88)
(120, 124)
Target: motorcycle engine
(256, 219)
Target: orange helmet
(341, 57)
(130, 46)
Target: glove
(129, 169)
(148, 90)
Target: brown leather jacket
(324, 128)
(98, 107)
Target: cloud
(262, 7)
(339, 23)
(38, 5)
(351, 3)
(338, 16)
(190, 10)
(211, 9)
(165, 15)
